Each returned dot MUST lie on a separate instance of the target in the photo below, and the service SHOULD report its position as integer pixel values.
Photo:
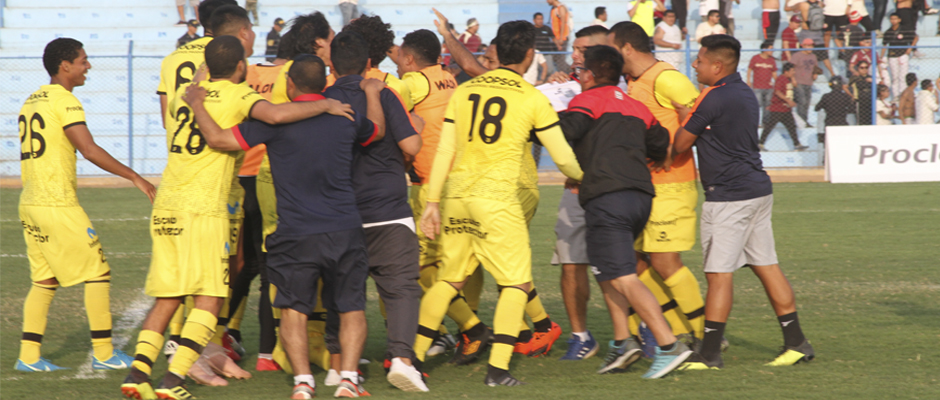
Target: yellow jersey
(487, 127)
(198, 179)
(47, 157)
(428, 90)
(179, 67)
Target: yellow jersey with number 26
(47, 157)
(198, 179)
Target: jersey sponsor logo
(191, 47)
(165, 230)
(76, 108)
(35, 232)
(464, 225)
(38, 95)
(667, 222)
(498, 80)
(441, 85)
(266, 88)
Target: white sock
(583, 336)
(308, 379)
(351, 375)
(265, 356)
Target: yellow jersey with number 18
(198, 179)
(487, 126)
(47, 157)
(179, 67)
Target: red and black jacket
(613, 136)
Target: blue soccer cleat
(118, 360)
(43, 365)
(667, 361)
(580, 349)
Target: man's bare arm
(85, 144)
(216, 137)
(463, 57)
(286, 113)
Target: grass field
(862, 260)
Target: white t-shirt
(704, 29)
(882, 107)
(673, 34)
(707, 5)
(835, 8)
(791, 3)
(859, 5)
(597, 21)
(532, 74)
(926, 105)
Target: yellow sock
(684, 288)
(676, 319)
(149, 344)
(434, 306)
(35, 312)
(98, 308)
(428, 276)
(509, 311)
(176, 322)
(473, 289)
(460, 312)
(535, 310)
(235, 323)
(199, 328)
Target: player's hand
(146, 187)
(201, 74)
(336, 107)
(558, 77)
(572, 185)
(371, 84)
(195, 95)
(681, 110)
(431, 220)
(664, 165)
(441, 23)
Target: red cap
(796, 18)
(855, 16)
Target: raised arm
(463, 57)
(81, 138)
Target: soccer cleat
(499, 377)
(620, 358)
(579, 349)
(118, 360)
(229, 343)
(441, 344)
(471, 348)
(229, 351)
(406, 377)
(43, 365)
(725, 344)
(347, 388)
(178, 392)
(542, 342)
(169, 349)
(793, 355)
(303, 391)
(138, 388)
(696, 362)
(267, 364)
(666, 361)
(800, 147)
(648, 341)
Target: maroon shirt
(784, 86)
(789, 36)
(763, 70)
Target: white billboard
(895, 153)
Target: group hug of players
(281, 170)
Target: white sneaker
(930, 11)
(406, 377)
(441, 345)
(169, 349)
(333, 378)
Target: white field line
(130, 318)
(108, 254)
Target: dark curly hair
(306, 29)
(424, 45)
(61, 49)
(377, 33)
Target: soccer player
(189, 224)
(614, 136)
(381, 39)
(382, 199)
(735, 225)
(671, 226)
(310, 244)
(62, 246)
(483, 215)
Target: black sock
(544, 325)
(494, 372)
(524, 336)
(175, 338)
(236, 334)
(711, 344)
(477, 330)
(619, 343)
(792, 334)
(670, 347)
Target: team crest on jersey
(618, 95)
(94, 237)
(232, 209)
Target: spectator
(780, 108)
(349, 9)
(851, 35)
(884, 109)
(905, 10)
(897, 58)
(860, 7)
(274, 39)
(804, 62)
(561, 28)
(600, 16)
(835, 19)
(860, 89)
(906, 109)
(668, 38)
(726, 15)
(469, 37)
(814, 26)
(881, 7)
(837, 104)
(252, 7)
(181, 7)
(190, 34)
(709, 27)
(544, 38)
(681, 7)
(927, 103)
(859, 56)
(705, 6)
(789, 37)
(770, 20)
(761, 72)
(537, 71)
(641, 13)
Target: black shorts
(614, 220)
(295, 263)
(821, 54)
(835, 23)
